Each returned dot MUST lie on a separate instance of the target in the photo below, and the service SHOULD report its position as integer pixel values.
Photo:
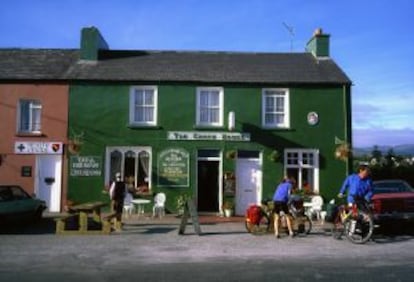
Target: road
(147, 251)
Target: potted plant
(228, 208)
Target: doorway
(49, 180)
(208, 184)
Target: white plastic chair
(316, 207)
(159, 205)
(128, 205)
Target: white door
(48, 186)
(248, 184)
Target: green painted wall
(101, 112)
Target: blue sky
(373, 41)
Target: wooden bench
(61, 222)
(108, 222)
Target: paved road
(224, 252)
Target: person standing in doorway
(118, 193)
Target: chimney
(318, 45)
(91, 42)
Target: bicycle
(259, 219)
(355, 222)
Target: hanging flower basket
(231, 154)
(274, 156)
(342, 152)
(74, 147)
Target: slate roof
(170, 66)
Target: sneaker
(277, 236)
(291, 234)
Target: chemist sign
(38, 148)
(85, 166)
(173, 168)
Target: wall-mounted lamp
(232, 121)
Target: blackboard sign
(173, 168)
(85, 166)
(189, 210)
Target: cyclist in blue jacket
(359, 186)
(280, 201)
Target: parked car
(16, 205)
(393, 200)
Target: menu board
(173, 168)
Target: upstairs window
(275, 108)
(210, 106)
(29, 116)
(143, 106)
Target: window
(29, 119)
(303, 165)
(275, 108)
(143, 106)
(134, 164)
(210, 106)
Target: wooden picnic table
(82, 212)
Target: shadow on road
(43, 226)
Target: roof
(170, 66)
(35, 64)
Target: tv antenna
(291, 33)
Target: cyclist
(359, 186)
(280, 200)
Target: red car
(393, 200)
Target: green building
(213, 125)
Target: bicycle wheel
(261, 228)
(337, 227)
(362, 231)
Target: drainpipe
(347, 124)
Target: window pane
(149, 97)
(214, 115)
(280, 106)
(214, 98)
(24, 115)
(144, 110)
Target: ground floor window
(303, 164)
(134, 164)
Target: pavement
(151, 249)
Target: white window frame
(132, 120)
(219, 123)
(31, 127)
(280, 92)
(301, 165)
(124, 149)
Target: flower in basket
(228, 205)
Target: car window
(5, 194)
(391, 187)
(19, 193)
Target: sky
(372, 41)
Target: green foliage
(388, 166)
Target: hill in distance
(400, 150)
